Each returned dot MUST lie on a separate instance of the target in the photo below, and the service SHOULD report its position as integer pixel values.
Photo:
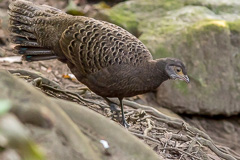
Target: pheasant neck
(155, 73)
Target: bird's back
(101, 55)
(87, 43)
(93, 45)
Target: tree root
(215, 149)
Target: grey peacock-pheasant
(104, 57)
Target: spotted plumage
(105, 57)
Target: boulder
(205, 35)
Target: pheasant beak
(182, 77)
(185, 78)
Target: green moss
(224, 8)
(150, 5)
(124, 18)
(234, 26)
(5, 106)
(217, 6)
(171, 4)
(73, 10)
(166, 29)
(162, 52)
(204, 27)
(202, 82)
(207, 26)
(132, 13)
(181, 86)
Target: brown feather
(105, 57)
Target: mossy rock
(131, 13)
(207, 49)
(218, 6)
(234, 26)
(134, 13)
(205, 35)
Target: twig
(169, 122)
(134, 131)
(168, 139)
(160, 129)
(34, 76)
(129, 113)
(145, 137)
(149, 127)
(180, 137)
(196, 131)
(148, 109)
(210, 145)
(204, 156)
(179, 150)
(181, 157)
(194, 141)
(74, 94)
(235, 153)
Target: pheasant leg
(113, 108)
(124, 122)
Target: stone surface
(205, 35)
(51, 123)
(4, 33)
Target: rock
(4, 33)
(205, 35)
(224, 131)
(66, 130)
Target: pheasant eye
(178, 69)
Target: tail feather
(23, 16)
(22, 19)
(21, 41)
(21, 33)
(29, 9)
(31, 58)
(20, 26)
(32, 51)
